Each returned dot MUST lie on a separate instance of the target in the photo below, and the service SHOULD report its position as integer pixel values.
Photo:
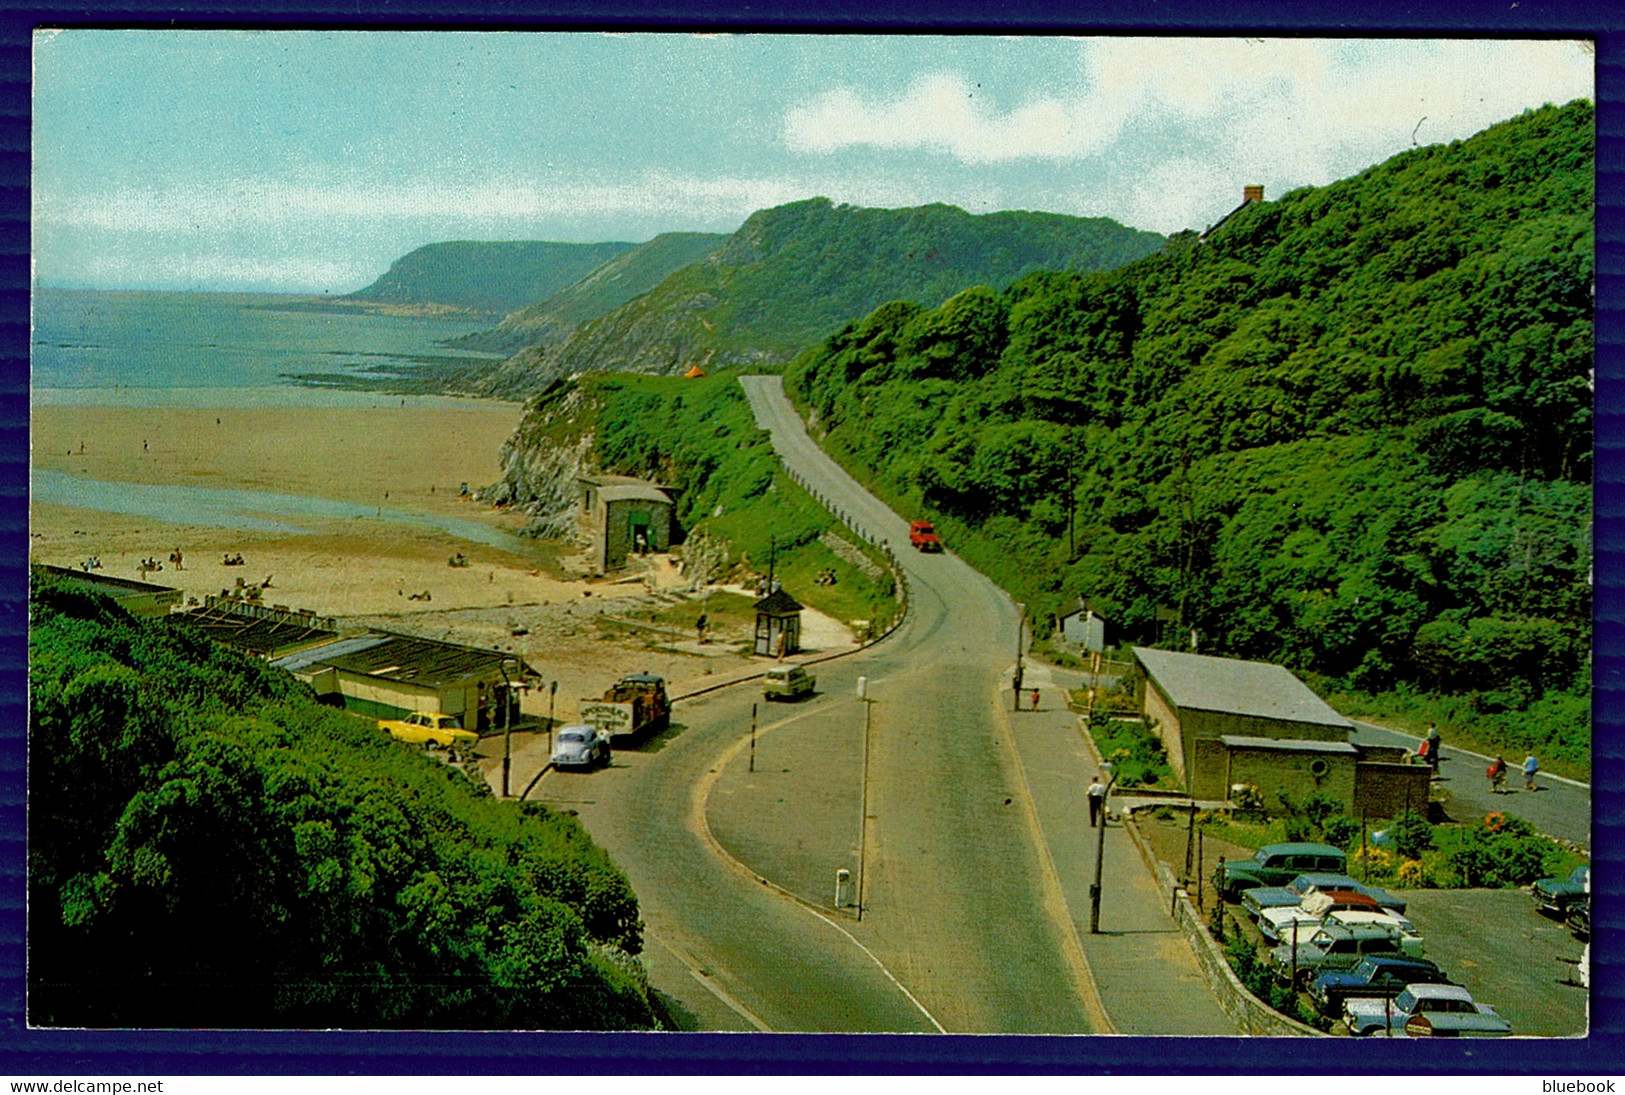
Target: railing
(899, 578)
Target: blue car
(1376, 978)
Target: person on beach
(1530, 767)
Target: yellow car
(427, 728)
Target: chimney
(1251, 194)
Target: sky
(308, 161)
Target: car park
(1410, 940)
(580, 746)
(1313, 909)
(1376, 978)
(429, 728)
(1446, 1011)
(787, 682)
(1332, 947)
(1276, 865)
(1259, 898)
(1557, 894)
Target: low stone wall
(1252, 1015)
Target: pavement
(795, 820)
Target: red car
(923, 536)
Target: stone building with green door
(623, 516)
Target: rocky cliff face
(542, 461)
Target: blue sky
(308, 161)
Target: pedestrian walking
(1530, 767)
(1097, 801)
(1433, 746)
(1497, 772)
(1035, 699)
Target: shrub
(1412, 834)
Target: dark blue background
(28, 1053)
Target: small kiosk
(778, 625)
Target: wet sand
(418, 456)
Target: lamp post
(863, 808)
(1100, 847)
(552, 694)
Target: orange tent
(694, 372)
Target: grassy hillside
(627, 275)
(699, 437)
(1351, 431)
(793, 274)
(208, 847)
(493, 278)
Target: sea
(148, 349)
(122, 348)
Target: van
(787, 682)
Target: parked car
(1259, 898)
(1410, 940)
(1276, 865)
(580, 746)
(1333, 947)
(429, 728)
(787, 682)
(1375, 978)
(1578, 917)
(1557, 894)
(1449, 1011)
(1312, 910)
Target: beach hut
(778, 625)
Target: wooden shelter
(778, 625)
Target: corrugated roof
(427, 663)
(261, 636)
(1287, 745)
(1198, 682)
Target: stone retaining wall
(1251, 1014)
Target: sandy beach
(409, 458)
(364, 571)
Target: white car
(1313, 909)
(1446, 1011)
(580, 746)
(1410, 939)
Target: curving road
(963, 926)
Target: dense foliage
(492, 277)
(208, 847)
(793, 274)
(1349, 431)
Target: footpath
(1149, 980)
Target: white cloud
(1312, 96)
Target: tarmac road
(1560, 808)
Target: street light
(1100, 847)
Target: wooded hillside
(208, 847)
(491, 277)
(1351, 431)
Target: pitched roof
(778, 603)
(1198, 682)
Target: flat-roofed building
(268, 632)
(625, 516)
(386, 676)
(136, 598)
